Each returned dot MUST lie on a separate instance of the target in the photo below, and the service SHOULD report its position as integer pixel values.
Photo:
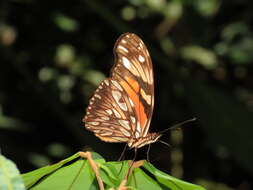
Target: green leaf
(170, 181)
(10, 178)
(115, 172)
(73, 176)
(31, 178)
(140, 180)
(57, 176)
(75, 173)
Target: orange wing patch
(134, 84)
(133, 95)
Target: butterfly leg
(135, 155)
(120, 158)
(130, 169)
(148, 152)
(123, 153)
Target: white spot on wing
(137, 135)
(123, 41)
(138, 128)
(126, 62)
(131, 102)
(93, 123)
(117, 95)
(146, 97)
(105, 134)
(124, 124)
(116, 113)
(141, 58)
(109, 111)
(97, 96)
(123, 106)
(125, 132)
(106, 82)
(105, 118)
(132, 119)
(115, 83)
(123, 48)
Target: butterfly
(121, 108)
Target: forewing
(133, 70)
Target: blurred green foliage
(54, 54)
(9, 175)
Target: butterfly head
(154, 137)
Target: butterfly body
(138, 143)
(122, 106)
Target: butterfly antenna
(178, 125)
(167, 144)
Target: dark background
(53, 54)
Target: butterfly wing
(107, 113)
(134, 71)
(121, 108)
